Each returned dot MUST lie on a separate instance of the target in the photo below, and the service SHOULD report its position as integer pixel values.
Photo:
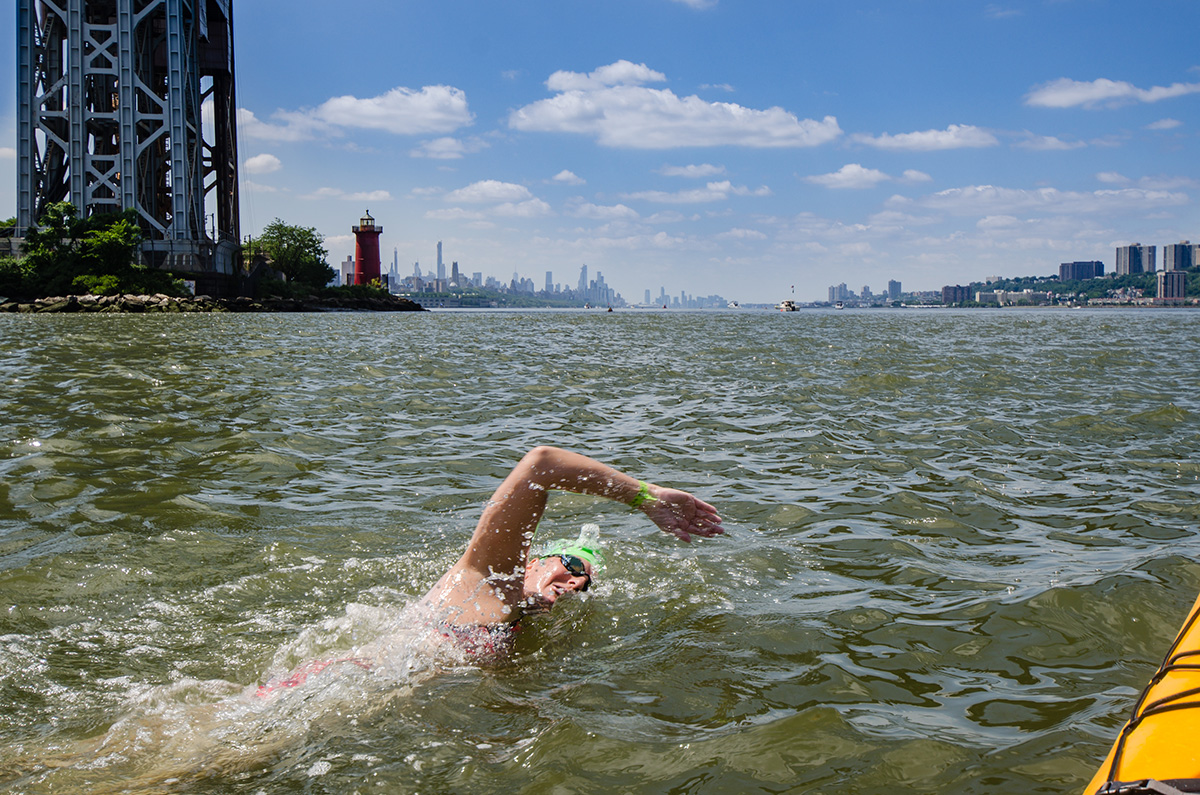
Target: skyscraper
(583, 280)
(1177, 256)
(893, 290)
(1135, 258)
(549, 281)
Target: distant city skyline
(718, 147)
(591, 287)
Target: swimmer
(171, 744)
(479, 601)
(497, 581)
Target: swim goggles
(575, 566)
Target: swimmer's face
(548, 578)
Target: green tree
(66, 254)
(52, 250)
(13, 277)
(297, 252)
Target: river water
(957, 545)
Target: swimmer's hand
(681, 514)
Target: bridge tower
(129, 104)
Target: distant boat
(839, 305)
(733, 304)
(787, 306)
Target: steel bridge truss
(130, 104)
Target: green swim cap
(587, 546)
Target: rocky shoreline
(204, 303)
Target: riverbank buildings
(1172, 286)
(1079, 271)
(1136, 258)
(1179, 256)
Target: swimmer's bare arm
(500, 543)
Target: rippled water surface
(958, 544)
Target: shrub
(97, 285)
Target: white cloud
(614, 106)
(712, 192)
(448, 148)
(855, 176)
(8, 153)
(956, 136)
(1158, 183)
(507, 200)
(263, 164)
(742, 234)
(896, 221)
(670, 217)
(850, 176)
(1067, 93)
(998, 222)
(370, 196)
(616, 212)
(621, 73)
(1166, 183)
(698, 4)
(490, 191)
(294, 128)
(702, 171)
(990, 200)
(1164, 124)
(719, 87)
(566, 177)
(533, 208)
(1047, 143)
(256, 187)
(401, 111)
(697, 196)
(762, 190)
(361, 196)
(455, 214)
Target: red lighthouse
(366, 250)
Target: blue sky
(736, 147)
